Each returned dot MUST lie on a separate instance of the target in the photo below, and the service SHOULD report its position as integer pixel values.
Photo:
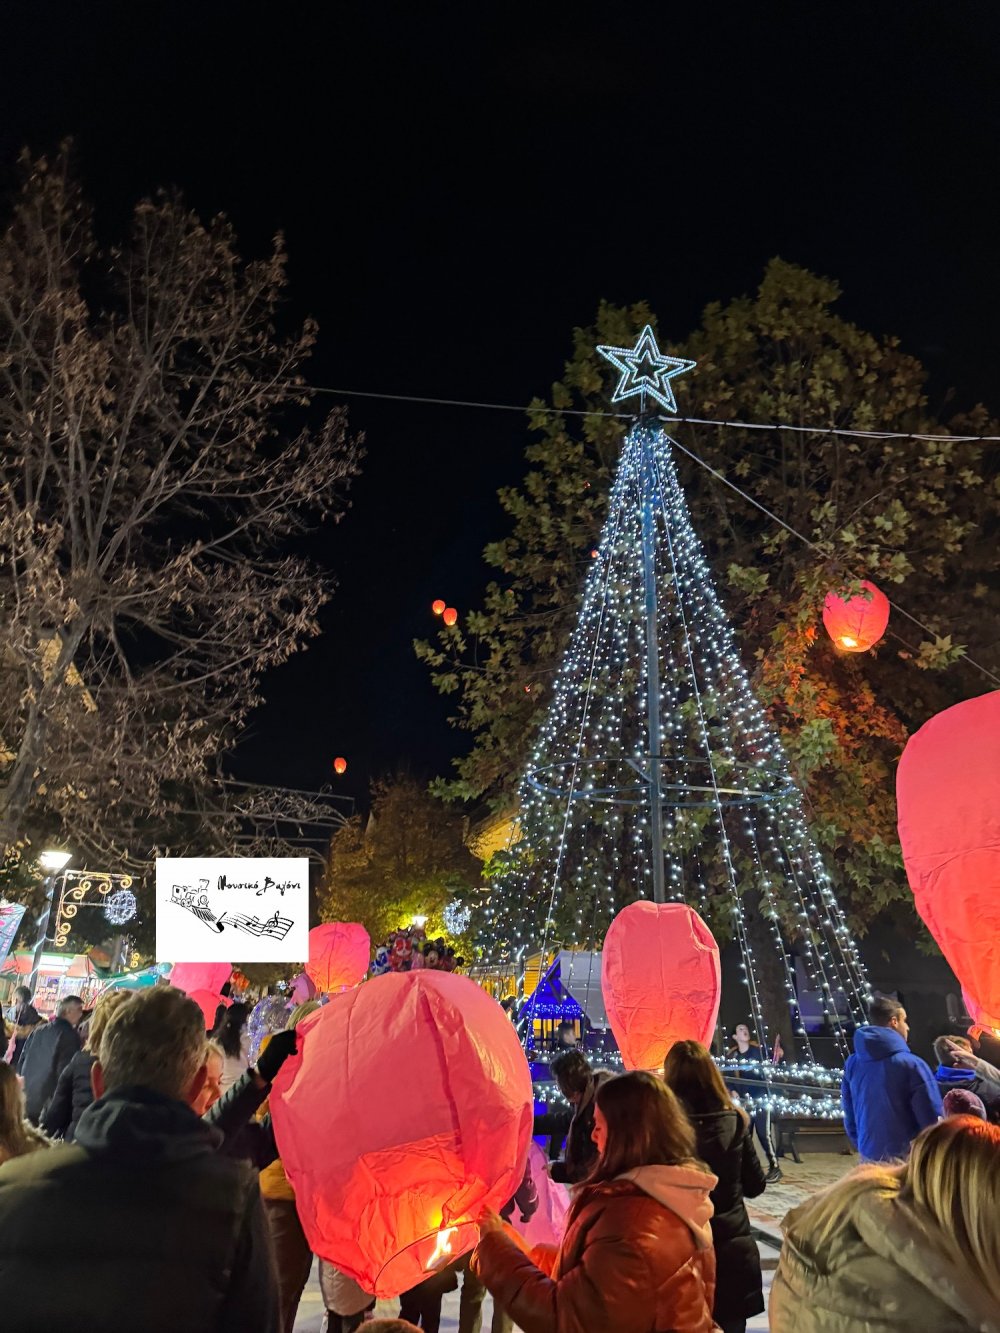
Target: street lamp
(52, 861)
(420, 922)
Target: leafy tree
(917, 518)
(408, 858)
(152, 475)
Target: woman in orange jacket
(637, 1255)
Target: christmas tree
(656, 773)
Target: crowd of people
(148, 1141)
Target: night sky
(460, 185)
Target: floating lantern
(438, 607)
(190, 977)
(594, 555)
(661, 980)
(856, 623)
(340, 765)
(390, 1179)
(450, 615)
(948, 796)
(339, 953)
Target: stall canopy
(570, 988)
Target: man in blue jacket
(889, 1094)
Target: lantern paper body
(547, 1224)
(661, 980)
(200, 976)
(856, 623)
(208, 1002)
(948, 795)
(339, 953)
(302, 989)
(406, 1110)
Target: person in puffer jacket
(637, 1255)
(911, 1248)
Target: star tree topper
(645, 369)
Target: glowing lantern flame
(438, 607)
(340, 765)
(442, 1247)
(856, 623)
(848, 642)
(450, 615)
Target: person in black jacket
(74, 1090)
(168, 1233)
(46, 1054)
(725, 1144)
(578, 1083)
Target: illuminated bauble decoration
(661, 980)
(948, 798)
(438, 607)
(856, 623)
(200, 976)
(340, 765)
(450, 615)
(456, 918)
(339, 954)
(390, 1175)
(267, 1017)
(120, 906)
(208, 1002)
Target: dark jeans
(344, 1323)
(734, 1326)
(470, 1307)
(292, 1257)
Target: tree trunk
(769, 971)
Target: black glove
(275, 1053)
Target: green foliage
(917, 518)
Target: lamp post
(53, 861)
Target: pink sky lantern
(856, 623)
(405, 1112)
(208, 1002)
(948, 799)
(661, 980)
(339, 954)
(200, 976)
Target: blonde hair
(213, 1048)
(106, 1005)
(156, 1041)
(951, 1181)
(17, 1136)
(301, 1011)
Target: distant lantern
(340, 765)
(856, 623)
(339, 954)
(450, 615)
(594, 554)
(438, 607)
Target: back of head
(70, 1008)
(22, 995)
(155, 1041)
(883, 1009)
(572, 1072)
(960, 1101)
(106, 1005)
(942, 1049)
(228, 1030)
(693, 1076)
(646, 1126)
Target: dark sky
(460, 185)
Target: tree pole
(649, 493)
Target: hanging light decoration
(340, 766)
(856, 623)
(449, 615)
(438, 607)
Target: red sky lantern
(340, 766)
(856, 623)
(200, 976)
(438, 607)
(594, 554)
(339, 954)
(450, 615)
(208, 1002)
(661, 980)
(948, 797)
(389, 1178)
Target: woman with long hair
(231, 1034)
(637, 1253)
(724, 1141)
(911, 1247)
(17, 1135)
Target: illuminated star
(644, 370)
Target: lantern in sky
(406, 1110)
(661, 980)
(948, 798)
(339, 954)
(856, 623)
(340, 765)
(449, 615)
(438, 607)
(200, 976)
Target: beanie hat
(959, 1101)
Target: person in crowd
(231, 1034)
(566, 1036)
(215, 1060)
(968, 1059)
(168, 1233)
(578, 1083)
(26, 1019)
(470, 1309)
(346, 1302)
(950, 1074)
(17, 1134)
(724, 1142)
(908, 1247)
(74, 1090)
(249, 1139)
(46, 1054)
(743, 1047)
(957, 1101)
(637, 1254)
(889, 1094)
(421, 1305)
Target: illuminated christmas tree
(656, 773)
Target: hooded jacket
(880, 1272)
(162, 1232)
(889, 1094)
(725, 1145)
(969, 1081)
(636, 1258)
